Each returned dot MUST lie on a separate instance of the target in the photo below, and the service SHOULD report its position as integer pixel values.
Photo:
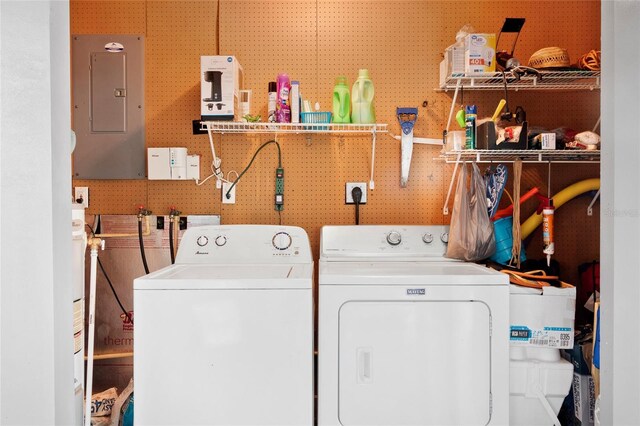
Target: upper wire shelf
(242, 127)
(548, 80)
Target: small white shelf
(315, 128)
(234, 127)
(549, 80)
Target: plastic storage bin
(316, 118)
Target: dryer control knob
(202, 241)
(427, 238)
(281, 241)
(221, 240)
(394, 238)
(444, 237)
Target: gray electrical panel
(108, 106)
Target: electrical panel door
(108, 92)
(108, 106)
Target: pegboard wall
(400, 42)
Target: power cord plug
(356, 193)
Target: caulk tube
(547, 231)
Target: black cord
(228, 194)
(173, 257)
(506, 95)
(356, 193)
(144, 258)
(113, 290)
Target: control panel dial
(427, 238)
(202, 241)
(394, 238)
(444, 237)
(281, 241)
(221, 240)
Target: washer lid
(407, 273)
(228, 277)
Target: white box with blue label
(542, 317)
(221, 79)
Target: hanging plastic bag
(471, 235)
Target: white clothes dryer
(225, 335)
(407, 336)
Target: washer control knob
(221, 240)
(281, 241)
(202, 241)
(444, 237)
(427, 238)
(394, 238)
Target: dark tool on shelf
(407, 118)
(520, 114)
(511, 25)
(520, 71)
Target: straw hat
(550, 57)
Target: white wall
(36, 328)
(620, 218)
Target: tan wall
(400, 42)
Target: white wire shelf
(548, 80)
(241, 127)
(234, 127)
(526, 155)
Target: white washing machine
(225, 335)
(406, 336)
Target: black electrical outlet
(183, 223)
(160, 222)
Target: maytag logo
(415, 292)
(202, 252)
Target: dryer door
(415, 363)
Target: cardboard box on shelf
(480, 53)
(453, 63)
(548, 140)
(221, 79)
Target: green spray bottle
(341, 101)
